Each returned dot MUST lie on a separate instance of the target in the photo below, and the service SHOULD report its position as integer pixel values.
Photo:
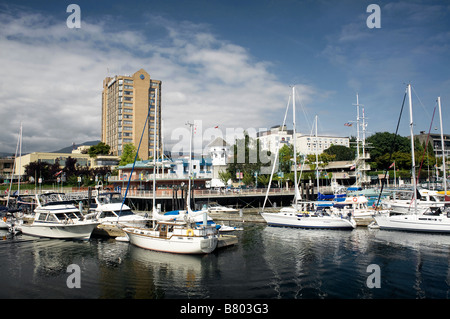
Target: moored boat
(57, 219)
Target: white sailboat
(432, 219)
(305, 214)
(174, 234)
(54, 218)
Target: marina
(192, 187)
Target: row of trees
(72, 172)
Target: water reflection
(178, 274)
(268, 262)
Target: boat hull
(174, 244)
(81, 231)
(415, 223)
(293, 220)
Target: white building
(307, 144)
(218, 151)
(270, 139)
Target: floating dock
(227, 240)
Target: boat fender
(190, 232)
(4, 219)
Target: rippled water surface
(268, 262)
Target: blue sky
(225, 63)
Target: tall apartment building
(126, 102)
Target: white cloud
(53, 79)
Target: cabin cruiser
(110, 210)
(54, 218)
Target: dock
(226, 241)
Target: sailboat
(305, 214)
(433, 219)
(174, 234)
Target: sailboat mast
(442, 144)
(154, 150)
(357, 125)
(411, 123)
(295, 149)
(188, 200)
(317, 160)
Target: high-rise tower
(126, 102)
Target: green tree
(264, 179)
(99, 149)
(285, 156)
(247, 157)
(382, 143)
(224, 176)
(341, 152)
(128, 154)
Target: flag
(216, 126)
(352, 167)
(392, 165)
(58, 173)
(348, 124)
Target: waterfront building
(51, 158)
(435, 139)
(308, 144)
(6, 168)
(269, 140)
(126, 102)
(219, 152)
(305, 144)
(169, 173)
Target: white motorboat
(216, 208)
(175, 236)
(111, 212)
(405, 203)
(57, 219)
(358, 207)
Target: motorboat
(358, 207)
(216, 208)
(109, 209)
(57, 219)
(404, 201)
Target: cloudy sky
(223, 63)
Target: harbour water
(267, 263)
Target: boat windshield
(125, 212)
